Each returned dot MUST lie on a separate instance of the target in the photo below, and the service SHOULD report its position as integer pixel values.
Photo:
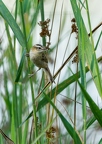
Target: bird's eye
(38, 46)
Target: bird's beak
(45, 48)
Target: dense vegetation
(30, 109)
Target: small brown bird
(38, 56)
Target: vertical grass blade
(20, 67)
(4, 12)
(94, 108)
(89, 49)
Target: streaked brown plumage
(38, 56)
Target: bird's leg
(30, 75)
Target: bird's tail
(49, 75)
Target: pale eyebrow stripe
(37, 45)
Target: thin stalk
(42, 19)
(16, 8)
(20, 111)
(88, 16)
(7, 93)
(15, 109)
(75, 100)
(56, 57)
(53, 16)
(83, 99)
(31, 84)
(10, 44)
(98, 40)
(83, 82)
(25, 133)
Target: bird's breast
(37, 60)
(33, 55)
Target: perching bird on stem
(38, 56)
